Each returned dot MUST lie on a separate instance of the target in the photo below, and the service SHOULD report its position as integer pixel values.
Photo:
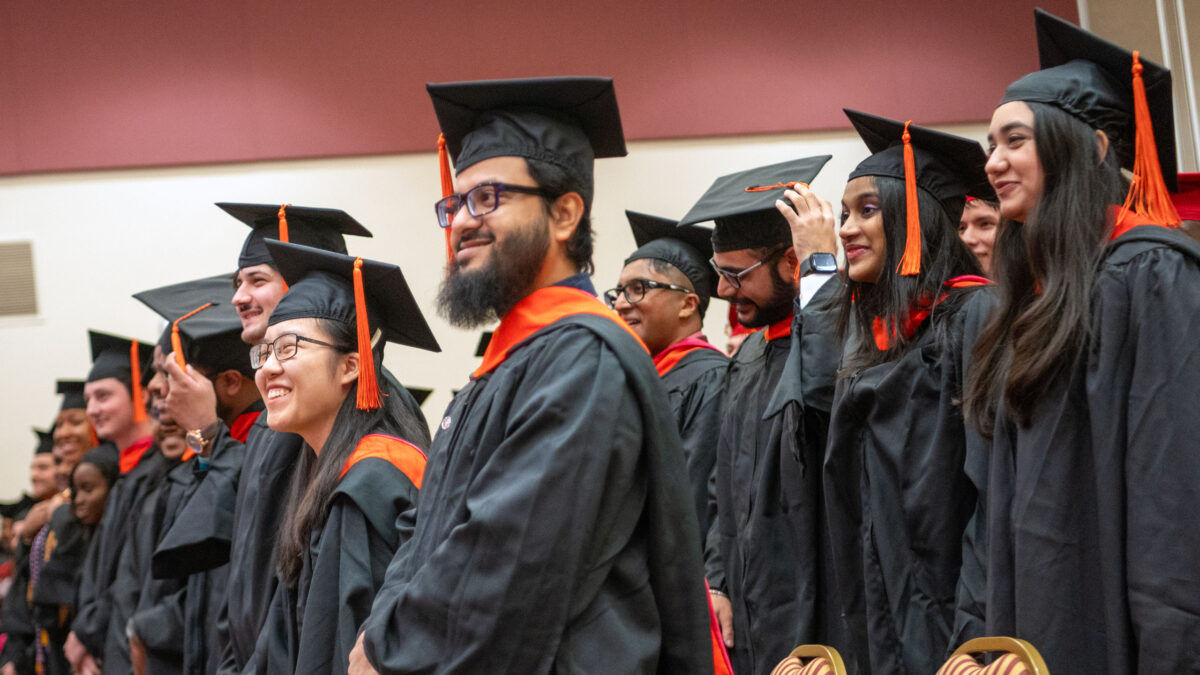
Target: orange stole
(132, 456)
(401, 454)
(538, 310)
(669, 358)
(782, 328)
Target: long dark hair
(318, 475)
(943, 256)
(1045, 268)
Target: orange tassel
(283, 234)
(139, 406)
(447, 187)
(176, 344)
(368, 386)
(910, 262)
(1148, 198)
(790, 185)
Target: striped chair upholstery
(811, 660)
(1017, 657)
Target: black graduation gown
(108, 543)
(555, 531)
(765, 548)
(58, 581)
(1092, 547)
(133, 589)
(694, 389)
(15, 621)
(1092, 542)
(899, 497)
(313, 625)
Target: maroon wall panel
(86, 85)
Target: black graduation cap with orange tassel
(371, 296)
(119, 357)
(945, 166)
(1125, 96)
(566, 121)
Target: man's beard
(472, 299)
(783, 294)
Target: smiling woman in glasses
(319, 369)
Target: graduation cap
(742, 204)
(316, 227)
(1114, 90)
(15, 509)
(72, 393)
(419, 395)
(371, 295)
(945, 166)
(687, 249)
(114, 356)
(485, 338)
(566, 121)
(200, 312)
(45, 442)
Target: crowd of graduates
(961, 404)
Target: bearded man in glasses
(554, 521)
(763, 551)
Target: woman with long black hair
(1087, 372)
(898, 496)
(319, 370)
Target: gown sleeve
(1143, 395)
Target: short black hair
(557, 182)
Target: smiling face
(72, 437)
(43, 482)
(304, 393)
(977, 229)
(765, 295)
(89, 491)
(257, 290)
(862, 232)
(658, 317)
(497, 256)
(1013, 167)
(109, 407)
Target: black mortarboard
(328, 293)
(324, 285)
(566, 121)
(687, 249)
(211, 338)
(72, 393)
(45, 442)
(112, 357)
(419, 395)
(1092, 79)
(18, 508)
(949, 167)
(319, 228)
(742, 205)
(485, 338)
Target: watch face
(194, 441)
(824, 262)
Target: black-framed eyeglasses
(284, 347)
(635, 291)
(479, 200)
(735, 277)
